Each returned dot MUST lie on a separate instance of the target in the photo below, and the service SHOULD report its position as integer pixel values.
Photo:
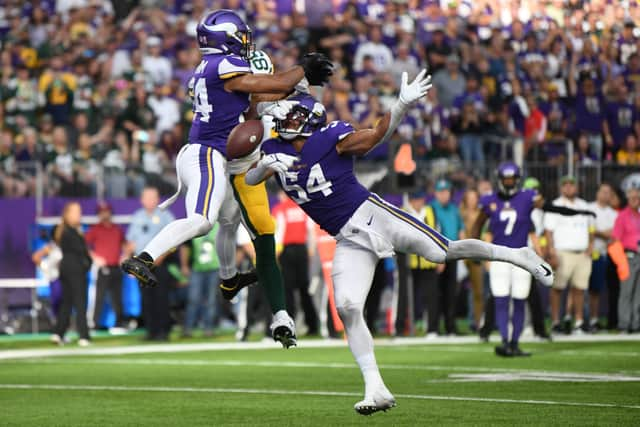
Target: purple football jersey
(322, 182)
(589, 113)
(621, 117)
(509, 219)
(217, 111)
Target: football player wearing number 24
(313, 163)
(223, 82)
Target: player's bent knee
(350, 313)
(201, 225)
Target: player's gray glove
(277, 109)
(418, 88)
(277, 162)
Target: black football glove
(317, 68)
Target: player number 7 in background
(510, 216)
(316, 182)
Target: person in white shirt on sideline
(570, 242)
(605, 218)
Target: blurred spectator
(627, 231)
(449, 81)
(605, 219)
(374, 48)
(424, 273)
(56, 88)
(295, 247)
(146, 223)
(570, 243)
(106, 241)
(469, 211)
(74, 266)
(441, 296)
(166, 110)
(199, 262)
(21, 98)
(404, 61)
(590, 115)
(437, 51)
(468, 129)
(621, 120)
(154, 64)
(629, 154)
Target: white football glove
(277, 109)
(278, 162)
(418, 88)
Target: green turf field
(566, 384)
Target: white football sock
(361, 345)
(226, 248)
(483, 251)
(176, 233)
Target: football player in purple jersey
(509, 214)
(223, 83)
(313, 163)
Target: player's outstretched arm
(363, 141)
(315, 67)
(267, 166)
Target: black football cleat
(231, 287)
(141, 270)
(516, 351)
(504, 350)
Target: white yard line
(522, 374)
(430, 345)
(303, 393)
(591, 353)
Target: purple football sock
(517, 319)
(502, 317)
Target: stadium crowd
(95, 91)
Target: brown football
(244, 138)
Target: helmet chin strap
(288, 136)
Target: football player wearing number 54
(313, 164)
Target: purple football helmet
(508, 178)
(223, 31)
(307, 116)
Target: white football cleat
(540, 270)
(283, 329)
(380, 400)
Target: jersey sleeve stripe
(423, 228)
(233, 74)
(226, 67)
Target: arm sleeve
(232, 66)
(338, 130)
